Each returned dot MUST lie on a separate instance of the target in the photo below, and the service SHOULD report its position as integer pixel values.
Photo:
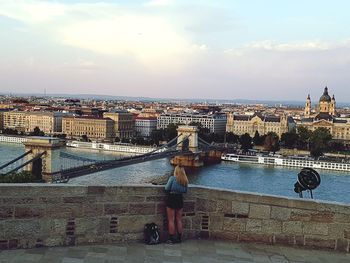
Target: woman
(176, 186)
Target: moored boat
(290, 161)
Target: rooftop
(188, 251)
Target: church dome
(325, 97)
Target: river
(244, 177)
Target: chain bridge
(45, 157)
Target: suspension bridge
(44, 157)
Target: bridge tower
(191, 133)
(48, 164)
(188, 141)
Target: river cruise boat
(287, 161)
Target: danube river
(253, 178)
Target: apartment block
(124, 123)
(95, 128)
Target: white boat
(287, 161)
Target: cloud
(159, 2)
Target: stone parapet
(33, 215)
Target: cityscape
(174, 131)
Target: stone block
(189, 207)
(347, 234)
(53, 227)
(259, 211)
(280, 213)
(13, 243)
(6, 212)
(300, 215)
(131, 198)
(116, 209)
(206, 205)
(187, 223)
(161, 198)
(342, 245)
(29, 212)
(247, 198)
(230, 224)
(299, 240)
(241, 208)
(18, 229)
(254, 225)
(93, 210)
(304, 204)
(161, 208)
(135, 223)
(292, 227)
(74, 199)
(310, 228)
(255, 238)
(142, 209)
(92, 226)
(322, 217)
(224, 206)
(274, 201)
(319, 243)
(336, 230)
(53, 241)
(341, 218)
(19, 200)
(271, 226)
(96, 190)
(284, 239)
(64, 211)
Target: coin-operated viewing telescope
(308, 179)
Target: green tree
(289, 139)
(84, 138)
(245, 141)
(171, 131)
(257, 139)
(231, 137)
(271, 142)
(37, 132)
(319, 141)
(304, 137)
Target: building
(241, 124)
(144, 126)
(124, 123)
(15, 120)
(215, 123)
(48, 122)
(95, 128)
(325, 116)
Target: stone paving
(211, 251)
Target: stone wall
(56, 215)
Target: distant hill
(149, 99)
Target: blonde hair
(180, 175)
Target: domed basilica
(325, 115)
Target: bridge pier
(48, 164)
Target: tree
(171, 131)
(37, 132)
(231, 137)
(117, 139)
(304, 138)
(271, 142)
(257, 139)
(289, 139)
(319, 141)
(84, 138)
(246, 141)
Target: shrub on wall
(21, 177)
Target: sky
(234, 49)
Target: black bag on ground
(151, 234)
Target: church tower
(307, 110)
(324, 102)
(332, 107)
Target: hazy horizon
(223, 50)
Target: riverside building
(124, 123)
(144, 126)
(95, 128)
(216, 123)
(48, 122)
(241, 124)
